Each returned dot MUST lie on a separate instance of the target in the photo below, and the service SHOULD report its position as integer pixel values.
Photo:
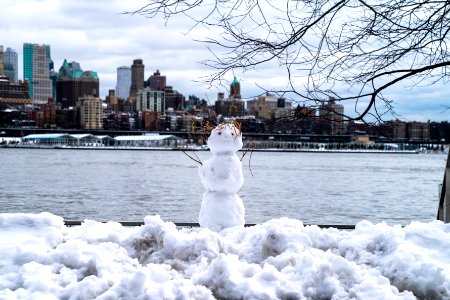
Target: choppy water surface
(317, 188)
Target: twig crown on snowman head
(225, 138)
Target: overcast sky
(98, 36)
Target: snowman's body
(222, 177)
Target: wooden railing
(444, 195)
(140, 223)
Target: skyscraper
(72, 83)
(233, 106)
(137, 77)
(150, 100)
(1, 60)
(235, 89)
(11, 64)
(36, 68)
(156, 82)
(123, 82)
(173, 99)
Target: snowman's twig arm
(249, 163)
(250, 159)
(196, 160)
(247, 149)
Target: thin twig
(196, 160)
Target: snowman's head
(225, 138)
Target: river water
(317, 188)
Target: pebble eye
(219, 133)
(232, 134)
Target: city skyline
(102, 39)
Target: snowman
(222, 177)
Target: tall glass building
(123, 82)
(11, 64)
(37, 64)
(1, 60)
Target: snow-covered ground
(41, 258)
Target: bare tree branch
(351, 50)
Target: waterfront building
(269, 106)
(233, 106)
(358, 127)
(35, 118)
(174, 100)
(229, 107)
(49, 111)
(123, 83)
(90, 112)
(395, 130)
(37, 64)
(418, 131)
(10, 64)
(440, 131)
(156, 82)
(14, 94)
(112, 100)
(72, 83)
(361, 139)
(150, 100)
(53, 77)
(251, 106)
(137, 77)
(331, 116)
(150, 120)
(235, 89)
(1, 60)
(67, 118)
(263, 107)
(399, 130)
(305, 112)
(196, 106)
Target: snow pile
(41, 258)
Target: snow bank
(40, 258)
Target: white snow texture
(41, 258)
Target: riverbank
(131, 148)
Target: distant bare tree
(351, 50)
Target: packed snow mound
(41, 258)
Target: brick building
(14, 94)
(233, 106)
(418, 131)
(331, 117)
(90, 112)
(72, 83)
(137, 78)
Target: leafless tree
(351, 50)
